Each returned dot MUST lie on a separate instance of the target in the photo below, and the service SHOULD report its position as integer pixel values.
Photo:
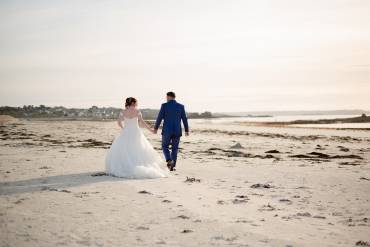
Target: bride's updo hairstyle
(130, 101)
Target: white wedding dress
(132, 156)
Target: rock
(306, 214)
(98, 174)
(343, 149)
(267, 207)
(349, 164)
(19, 201)
(286, 201)
(274, 151)
(320, 155)
(300, 156)
(259, 186)
(241, 196)
(237, 146)
(351, 156)
(184, 217)
(144, 192)
(238, 201)
(52, 189)
(319, 217)
(191, 180)
(325, 156)
(362, 243)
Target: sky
(217, 55)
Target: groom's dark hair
(171, 94)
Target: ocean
(290, 118)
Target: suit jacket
(172, 113)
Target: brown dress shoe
(169, 164)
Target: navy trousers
(174, 141)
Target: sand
(235, 186)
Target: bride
(131, 155)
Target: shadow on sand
(54, 182)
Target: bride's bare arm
(120, 119)
(143, 124)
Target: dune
(7, 118)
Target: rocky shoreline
(360, 119)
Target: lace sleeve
(140, 117)
(120, 116)
(120, 119)
(142, 123)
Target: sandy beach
(236, 185)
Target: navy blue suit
(172, 113)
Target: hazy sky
(216, 55)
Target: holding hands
(155, 131)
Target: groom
(172, 113)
